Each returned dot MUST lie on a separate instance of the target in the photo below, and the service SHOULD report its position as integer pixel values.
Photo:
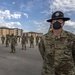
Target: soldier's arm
(73, 49)
(15, 40)
(41, 47)
(73, 52)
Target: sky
(31, 15)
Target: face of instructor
(57, 20)
(57, 24)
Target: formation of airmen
(13, 41)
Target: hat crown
(57, 14)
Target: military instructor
(57, 48)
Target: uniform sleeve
(26, 39)
(42, 48)
(73, 49)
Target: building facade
(5, 30)
(20, 32)
(34, 34)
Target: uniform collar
(63, 34)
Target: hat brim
(64, 19)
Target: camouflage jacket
(24, 39)
(13, 40)
(58, 53)
(31, 39)
(37, 39)
(2, 38)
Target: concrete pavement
(23, 62)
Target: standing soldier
(58, 48)
(31, 41)
(7, 40)
(37, 39)
(24, 40)
(13, 43)
(16, 39)
(2, 39)
(27, 39)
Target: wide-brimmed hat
(58, 15)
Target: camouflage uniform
(2, 39)
(24, 40)
(13, 43)
(31, 41)
(7, 40)
(27, 39)
(58, 54)
(37, 39)
(73, 50)
(15, 40)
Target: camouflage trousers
(7, 43)
(12, 48)
(47, 70)
(23, 46)
(31, 45)
(36, 43)
(2, 41)
(59, 73)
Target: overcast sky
(31, 15)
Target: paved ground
(27, 62)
